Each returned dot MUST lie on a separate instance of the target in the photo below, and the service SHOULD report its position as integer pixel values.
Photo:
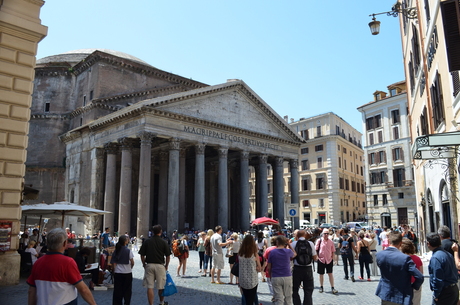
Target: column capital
(279, 161)
(200, 148)
(164, 155)
(263, 159)
(174, 144)
(111, 148)
(223, 152)
(100, 153)
(126, 143)
(146, 137)
(244, 155)
(294, 163)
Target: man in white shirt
(217, 255)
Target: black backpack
(304, 253)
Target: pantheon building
(112, 132)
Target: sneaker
(334, 291)
(359, 277)
(321, 290)
(352, 278)
(368, 279)
(345, 278)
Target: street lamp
(396, 9)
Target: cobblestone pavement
(194, 289)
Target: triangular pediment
(231, 104)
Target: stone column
(278, 188)
(199, 208)
(143, 206)
(244, 180)
(97, 183)
(124, 208)
(163, 190)
(262, 181)
(110, 184)
(173, 186)
(294, 164)
(222, 189)
(182, 178)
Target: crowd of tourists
(285, 262)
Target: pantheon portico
(183, 160)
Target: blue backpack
(345, 249)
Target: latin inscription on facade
(229, 137)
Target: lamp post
(396, 9)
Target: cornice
(134, 66)
(50, 116)
(69, 136)
(183, 118)
(36, 2)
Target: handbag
(236, 269)
(170, 287)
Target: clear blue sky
(303, 57)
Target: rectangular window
(397, 154)
(306, 185)
(424, 122)
(353, 186)
(378, 121)
(395, 133)
(318, 131)
(305, 165)
(321, 203)
(337, 130)
(347, 184)
(395, 119)
(304, 150)
(371, 139)
(376, 200)
(398, 177)
(84, 100)
(319, 147)
(372, 158)
(319, 183)
(382, 157)
(341, 183)
(340, 162)
(344, 164)
(304, 134)
(338, 147)
(450, 17)
(384, 199)
(47, 107)
(320, 162)
(380, 136)
(91, 95)
(369, 123)
(382, 177)
(362, 188)
(437, 101)
(401, 195)
(306, 203)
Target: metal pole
(454, 192)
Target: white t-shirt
(33, 253)
(216, 239)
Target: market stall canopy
(62, 209)
(264, 221)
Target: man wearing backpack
(347, 246)
(302, 274)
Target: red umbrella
(264, 221)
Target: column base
(10, 266)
